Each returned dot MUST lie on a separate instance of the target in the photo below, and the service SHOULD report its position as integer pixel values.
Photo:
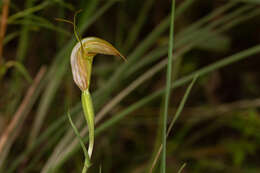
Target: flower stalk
(89, 116)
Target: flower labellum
(82, 56)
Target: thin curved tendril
(75, 28)
(78, 37)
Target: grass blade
(182, 167)
(181, 106)
(176, 116)
(28, 11)
(135, 30)
(168, 90)
(14, 128)
(87, 159)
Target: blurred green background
(218, 129)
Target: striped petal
(81, 61)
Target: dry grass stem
(14, 127)
(5, 11)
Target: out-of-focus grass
(217, 131)
(167, 90)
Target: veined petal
(81, 61)
(94, 45)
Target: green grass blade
(133, 57)
(10, 37)
(168, 90)
(28, 11)
(87, 159)
(48, 146)
(135, 30)
(183, 37)
(24, 37)
(248, 1)
(20, 68)
(183, 7)
(175, 117)
(22, 112)
(181, 106)
(103, 93)
(40, 22)
(207, 18)
(22, 48)
(148, 59)
(89, 8)
(51, 131)
(120, 28)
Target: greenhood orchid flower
(81, 64)
(82, 56)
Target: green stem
(89, 116)
(85, 168)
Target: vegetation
(205, 104)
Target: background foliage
(218, 130)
